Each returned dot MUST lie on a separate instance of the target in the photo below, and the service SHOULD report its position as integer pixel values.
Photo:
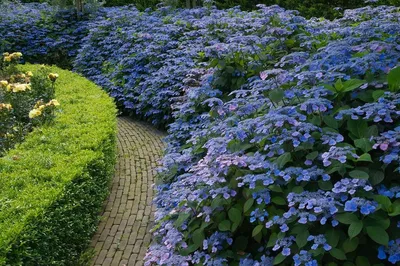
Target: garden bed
(53, 184)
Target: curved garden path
(123, 235)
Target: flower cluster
(26, 100)
(39, 108)
(14, 57)
(391, 252)
(5, 106)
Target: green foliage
(308, 8)
(54, 183)
(141, 4)
(394, 79)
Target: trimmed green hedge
(53, 184)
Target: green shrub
(141, 4)
(53, 184)
(307, 8)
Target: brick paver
(123, 233)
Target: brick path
(123, 235)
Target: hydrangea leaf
(366, 157)
(359, 174)
(325, 185)
(275, 188)
(257, 230)
(279, 259)
(339, 85)
(375, 221)
(236, 145)
(352, 84)
(346, 218)
(330, 121)
(394, 79)
(332, 237)
(357, 127)
(198, 237)
(383, 201)
(217, 202)
(355, 228)
(376, 177)
(301, 238)
(181, 218)
(338, 254)
(377, 94)
(372, 131)
(225, 225)
(364, 144)
(190, 249)
(297, 189)
(350, 244)
(316, 120)
(312, 155)
(234, 226)
(279, 200)
(378, 234)
(395, 209)
(276, 95)
(235, 215)
(272, 240)
(282, 160)
(248, 204)
(330, 87)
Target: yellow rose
(53, 77)
(38, 103)
(5, 106)
(10, 87)
(54, 102)
(34, 113)
(16, 55)
(21, 87)
(3, 83)
(7, 59)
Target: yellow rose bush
(26, 100)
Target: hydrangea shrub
(143, 58)
(298, 164)
(43, 33)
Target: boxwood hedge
(52, 185)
